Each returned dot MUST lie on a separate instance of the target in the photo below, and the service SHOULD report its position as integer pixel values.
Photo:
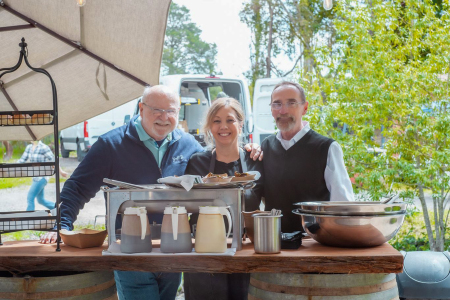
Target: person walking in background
(8, 151)
(38, 152)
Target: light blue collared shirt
(157, 151)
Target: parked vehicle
(263, 120)
(196, 94)
(198, 91)
(82, 136)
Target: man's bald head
(159, 92)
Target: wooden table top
(26, 256)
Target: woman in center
(223, 126)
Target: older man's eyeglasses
(278, 105)
(158, 111)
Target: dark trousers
(216, 286)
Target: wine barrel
(284, 286)
(59, 285)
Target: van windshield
(193, 113)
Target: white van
(82, 136)
(196, 94)
(263, 120)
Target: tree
(184, 51)
(289, 27)
(391, 82)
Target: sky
(220, 23)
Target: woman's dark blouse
(199, 165)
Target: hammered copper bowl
(350, 231)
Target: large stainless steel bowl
(350, 231)
(351, 208)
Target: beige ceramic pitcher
(210, 235)
(175, 231)
(136, 235)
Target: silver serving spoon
(390, 199)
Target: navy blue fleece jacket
(120, 155)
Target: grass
(6, 183)
(27, 235)
(22, 235)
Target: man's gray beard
(283, 126)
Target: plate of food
(243, 176)
(216, 178)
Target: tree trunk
(426, 217)
(257, 43)
(269, 44)
(440, 240)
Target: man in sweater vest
(300, 164)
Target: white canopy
(128, 34)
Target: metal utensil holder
(267, 233)
(156, 197)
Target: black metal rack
(9, 223)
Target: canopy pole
(30, 132)
(18, 27)
(72, 44)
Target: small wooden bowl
(83, 238)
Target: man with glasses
(300, 164)
(149, 147)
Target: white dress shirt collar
(289, 143)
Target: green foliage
(293, 29)
(412, 236)
(214, 91)
(389, 82)
(89, 226)
(7, 183)
(18, 148)
(35, 235)
(184, 51)
(22, 235)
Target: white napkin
(256, 173)
(186, 181)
